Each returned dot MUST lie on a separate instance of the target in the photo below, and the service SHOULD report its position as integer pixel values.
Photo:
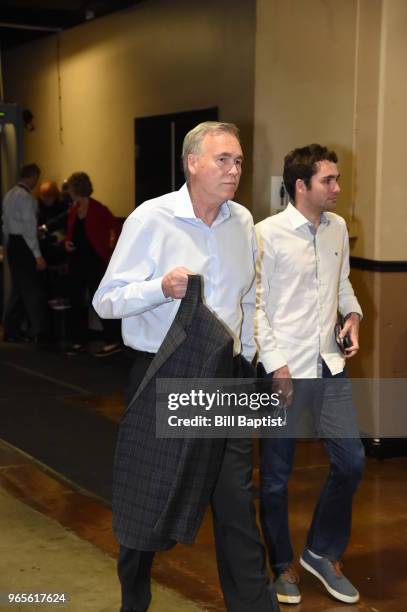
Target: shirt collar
(297, 219)
(184, 210)
(24, 186)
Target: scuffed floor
(38, 555)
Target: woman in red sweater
(92, 231)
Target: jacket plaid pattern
(162, 487)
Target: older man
(198, 229)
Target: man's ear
(192, 163)
(300, 186)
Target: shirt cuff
(153, 292)
(351, 313)
(347, 309)
(273, 361)
(249, 354)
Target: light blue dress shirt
(162, 234)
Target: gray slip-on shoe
(330, 574)
(286, 585)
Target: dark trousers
(134, 571)
(27, 299)
(239, 550)
(331, 523)
(85, 278)
(240, 553)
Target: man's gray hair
(193, 140)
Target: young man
(200, 230)
(303, 269)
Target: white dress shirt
(20, 211)
(162, 234)
(302, 282)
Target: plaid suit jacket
(162, 487)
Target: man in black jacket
(163, 486)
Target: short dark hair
(80, 184)
(29, 170)
(302, 163)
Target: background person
(52, 209)
(26, 263)
(92, 231)
(52, 221)
(65, 195)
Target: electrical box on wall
(278, 195)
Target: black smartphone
(344, 342)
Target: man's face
(324, 187)
(217, 168)
(32, 180)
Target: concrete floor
(38, 555)
(50, 520)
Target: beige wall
(366, 120)
(161, 57)
(380, 202)
(305, 72)
(334, 72)
(392, 209)
(381, 131)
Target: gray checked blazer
(162, 487)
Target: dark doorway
(158, 146)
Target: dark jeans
(331, 523)
(27, 299)
(239, 550)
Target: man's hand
(69, 246)
(174, 283)
(351, 327)
(283, 385)
(40, 263)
